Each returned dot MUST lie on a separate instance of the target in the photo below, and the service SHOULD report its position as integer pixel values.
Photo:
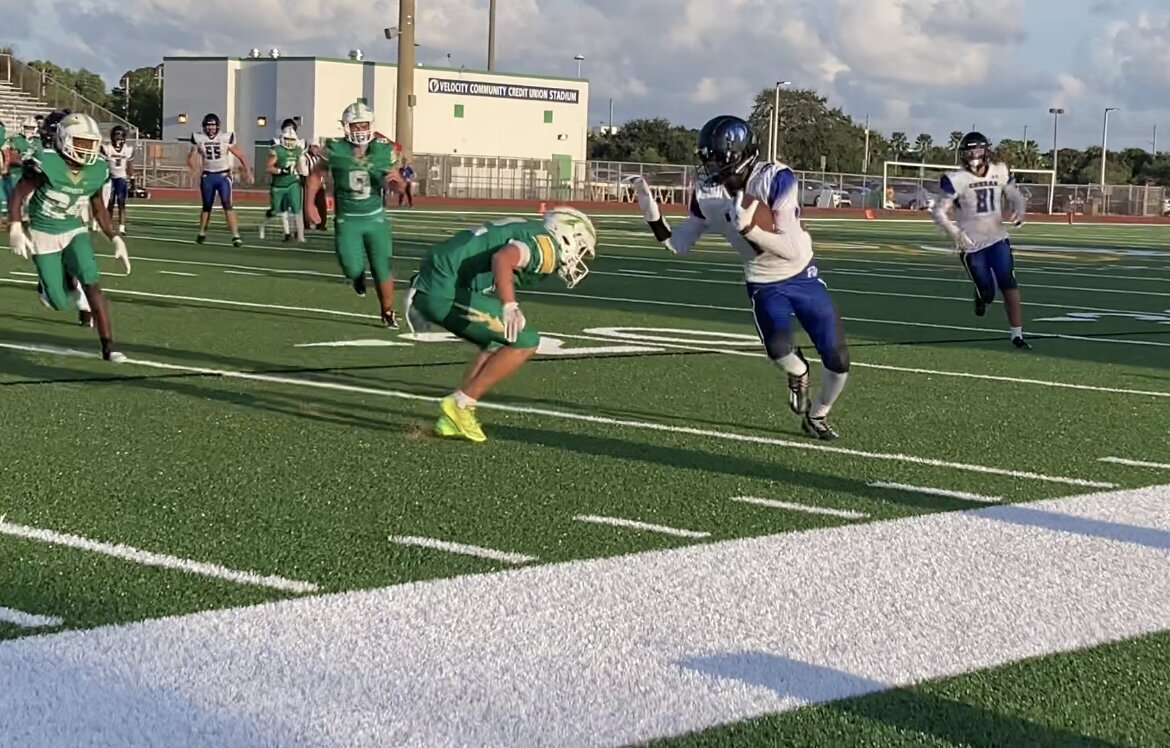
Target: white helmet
(29, 127)
(357, 113)
(79, 138)
(289, 138)
(576, 239)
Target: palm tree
(923, 143)
(956, 137)
(899, 145)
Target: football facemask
(576, 241)
(357, 121)
(79, 139)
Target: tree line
(811, 129)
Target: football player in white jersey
(215, 148)
(781, 275)
(121, 159)
(977, 194)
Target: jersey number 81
(985, 200)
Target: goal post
(914, 184)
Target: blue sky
(913, 65)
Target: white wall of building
(457, 111)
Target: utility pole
(403, 110)
(491, 35)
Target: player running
(13, 149)
(286, 165)
(215, 148)
(360, 167)
(778, 266)
(59, 182)
(452, 290)
(121, 159)
(976, 193)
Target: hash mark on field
(240, 272)
(176, 272)
(845, 513)
(148, 558)
(937, 492)
(28, 620)
(1135, 463)
(636, 525)
(461, 548)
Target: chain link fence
(163, 164)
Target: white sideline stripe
(176, 272)
(148, 558)
(636, 525)
(461, 548)
(567, 415)
(28, 620)
(937, 492)
(1136, 463)
(884, 367)
(614, 651)
(808, 508)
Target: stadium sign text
(503, 90)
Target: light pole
(404, 99)
(491, 35)
(1055, 112)
(774, 135)
(579, 59)
(1104, 140)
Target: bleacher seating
(16, 105)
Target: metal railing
(491, 177)
(55, 95)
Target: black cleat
(85, 319)
(359, 285)
(1020, 343)
(798, 397)
(980, 307)
(390, 319)
(237, 241)
(201, 238)
(818, 428)
(287, 238)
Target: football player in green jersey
(467, 285)
(361, 168)
(59, 183)
(286, 165)
(14, 146)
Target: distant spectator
(407, 172)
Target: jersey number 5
(359, 184)
(985, 200)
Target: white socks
(792, 364)
(832, 384)
(462, 400)
(1017, 332)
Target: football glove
(513, 321)
(741, 215)
(18, 241)
(963, 242)
(120, 253)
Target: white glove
(18, 241)
(513, 321)
(964, 242)
(120, 253)
(646, 201)
(741, 215)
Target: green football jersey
(358, 180)
(23, 147)
(286, 158)
(57, 204)
(465, 260)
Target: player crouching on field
(59, 183)
(452, 286)
(976, 193)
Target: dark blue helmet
(210, 125)
(48, 131)
(727, 149)
(974, 151)
(118, 135)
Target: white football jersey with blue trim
(978, 202)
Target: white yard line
(634, 524)
(175, 272)
(28, 620)
(587, 418)
(937, 492)
(615, 651)
(807, 508)
(242, 272)
(462, 549)
(149, 558)
(1136, 463)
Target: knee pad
(778, 347)
(837, 360)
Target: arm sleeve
(1015, 197)
(782, 198)
(946, 200)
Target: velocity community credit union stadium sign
(503, 90)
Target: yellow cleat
(463, 419)
(444, 427)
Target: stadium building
(457, 111)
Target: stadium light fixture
(182, 119)
(579, 59)
(261, 121)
